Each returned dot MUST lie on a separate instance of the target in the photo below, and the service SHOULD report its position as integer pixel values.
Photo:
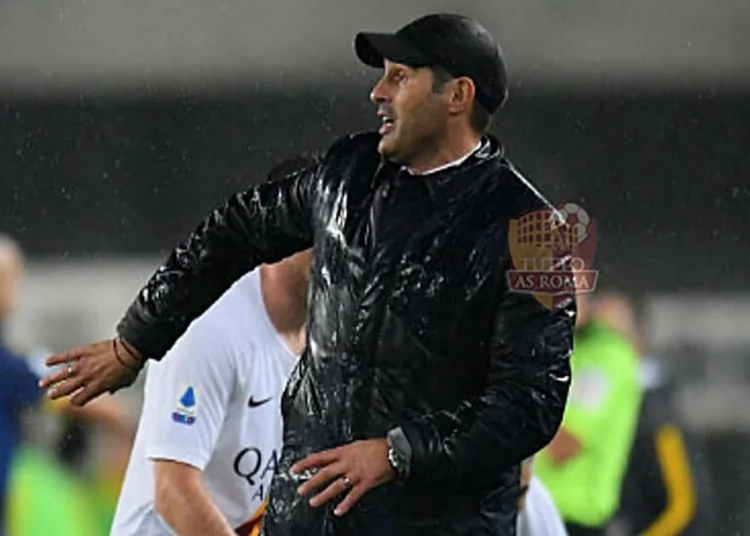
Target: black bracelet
(120, 360)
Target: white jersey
(540, 517)
(212, 402)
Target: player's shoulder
(223, 327)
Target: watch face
(396, 462)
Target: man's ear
(461, 96)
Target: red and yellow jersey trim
(252, 526)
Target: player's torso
(239, 474)
(241, 465)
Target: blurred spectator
(667, 489)
(537, 513)
(584, 465)
(19, 384)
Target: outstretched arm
(261, 225)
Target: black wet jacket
(411, 325)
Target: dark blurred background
(663, 173)
(124, 123)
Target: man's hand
(91, 370)
(563, 446)
(355, 468)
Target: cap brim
(373, 48)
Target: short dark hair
(480, 119)
(292, 165)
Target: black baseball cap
(458, 44)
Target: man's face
(414, 116)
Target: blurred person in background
(211, 430)
(584, 465)
(537, 513)
(667, 489)
(19, 391)
(426, 380)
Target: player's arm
(263, 224)
(564, 446)
(182, 500)
(186, 407)
(520, 409)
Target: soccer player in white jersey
(211, 427)
(537, 513)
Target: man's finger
(64, 357)
(86, 394)
(334, 489)
(53, 379)
(321, 478)
(64, 388)
(351, 499)
(324, 457)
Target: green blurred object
(106, 491)
(45, 499)
(602, 413)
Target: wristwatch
(399, 453)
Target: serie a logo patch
(185, 411)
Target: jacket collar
(454, 163)
(446, 182)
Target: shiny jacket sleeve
(263, 224)
(520, 409)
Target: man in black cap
(426, 379)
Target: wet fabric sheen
(411, 324)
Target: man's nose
(377, 94)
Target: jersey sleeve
(186, 399)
